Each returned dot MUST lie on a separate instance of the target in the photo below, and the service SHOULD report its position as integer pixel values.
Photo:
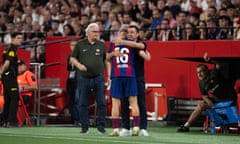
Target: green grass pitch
(71, 135)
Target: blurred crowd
(161, 20)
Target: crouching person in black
(214, 88)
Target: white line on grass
(109, 139)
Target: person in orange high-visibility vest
(27, 82)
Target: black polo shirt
(90, 55)
(217, 87)
(139, 62)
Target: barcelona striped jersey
(122, 66)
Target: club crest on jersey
(11, 54)
(97, 52)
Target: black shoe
(84, 131)
(101, 131)
(77, 124)
(12, 125)
(5, 124)
(182, 128)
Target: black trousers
(11, 98)
(141, 104)
(73, 99)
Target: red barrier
(156, 101)
(179, 76)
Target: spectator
(160, 4)
(106, 6)
(55, 28)
(152, 5)
(105, 18)
(54, 12)
(118, 6)
(5, 5)
(85, 20)
(194, 8)
(202, 30)
(128, 9)
(68, 19)
(225, 31)
(47, 20)
(10, 30)
(225, 4)
(78, 30)
(164, 32)
(27, 32)
(213, 87)
(36, 31)
(38, 52)
(206, 4)
(27, 82)
(222, 12)
(38, 15)
(10, 14)
(194, 18)
(127, 19)
(190, 32)
(142, 34)
(74, 9)
(68, 30)
(236, 3)
(212, 30)
(64, 9)
(115, 27)
(156, 20)
(168, 15)
(103, 34)
(211, 12)
(27, 20)
(236, 26)
(231, 12)
(62, 22)
(178, 29)
(185, 5)
(17, 15)
(3, 21)
(27, 12)
(113, 17)
(173, 7)
(67, 11)
(18, 27)
(143, 15)
(95, 12)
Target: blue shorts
(123, 87)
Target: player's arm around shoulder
(138, 45)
